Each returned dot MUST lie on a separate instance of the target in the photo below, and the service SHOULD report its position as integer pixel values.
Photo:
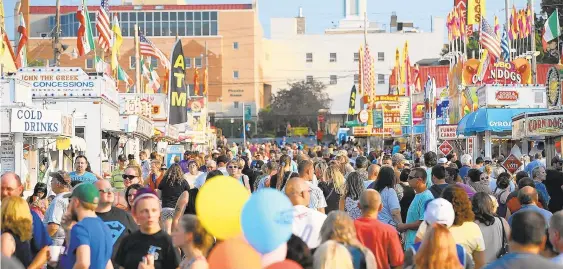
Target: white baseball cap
(442, 161)
(440, 211)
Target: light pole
(232, 122)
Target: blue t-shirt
(416, 213)
(546, 214)
(86, 177)
(530, 167)
(390, 202)
(463, 172)
(522, 260)
(95, 233)
(396, 149)
(40, 237)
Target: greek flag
(505, 54)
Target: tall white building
(332, 57)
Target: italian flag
(85, 38)
(551, 29)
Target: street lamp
(232, 132)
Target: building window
(333, 79)
(309, 79)
(235, 104)
(188, 62)
(381, 56)
(235, 74)
(356, 78)
(380, 79)
(89, 63)
(154, 62)
(132, 62)
(309, 57)
(333, 57)
(198, 62)
(356, 56)
(235, 45)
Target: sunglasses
(107, 190)
(232, 167)
(128, 177)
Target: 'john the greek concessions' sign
(35, 121)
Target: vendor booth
(546, 125)
(491, 123)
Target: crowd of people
(228, 208)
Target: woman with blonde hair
(438, 250)
(333, 187)
(332, 255)
(278, 180)
(339, 227)
(16, 230)
(194, 241)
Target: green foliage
(298, 105)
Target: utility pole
(56, 35)
(533, 45)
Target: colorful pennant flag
(21, 52)
(117, 41)
(84, 37)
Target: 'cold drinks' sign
(35, 121)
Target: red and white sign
(512, 163)
(447, 131)
(470, 146)
(446, 147)
(506, 96)
(363, 116)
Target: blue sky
(321, 14)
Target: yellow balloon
(219, 206)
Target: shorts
(167, 213)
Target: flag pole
(533, 32)
(507, 15)
(137, 62)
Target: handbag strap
(503, 233)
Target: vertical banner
(352, 106)
(177, 93)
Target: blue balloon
(267, 219)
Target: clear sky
(321, 14)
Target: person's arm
(395, 253)
(82, 257)
(40, 259)
(396, 214)
(479, 259)
(246, 182)
(395, 206)
(109, 265)
(180, 208)
(409, 226)
(52, 228)
(341, 203)
(8, 245)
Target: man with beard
(119, 222)
(90, 239)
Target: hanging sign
(178, 94)
(68, 126)
(377, 118)
(554, 89)
(362, 131)
(446, 132)
(363, 116)
(518, 71)
(546, 125)
(35, 121)
(470, 145)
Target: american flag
(147, 48)
(488, 39)
(103, 26)
(504, 46)
(366, 74)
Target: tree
(472, 46)
(298, 105)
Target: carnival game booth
(91, 99)
(540, 126)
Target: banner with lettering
(177, 87)
(352, 105)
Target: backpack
(502, 207)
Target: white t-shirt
(307, 225)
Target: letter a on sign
(177, 93)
